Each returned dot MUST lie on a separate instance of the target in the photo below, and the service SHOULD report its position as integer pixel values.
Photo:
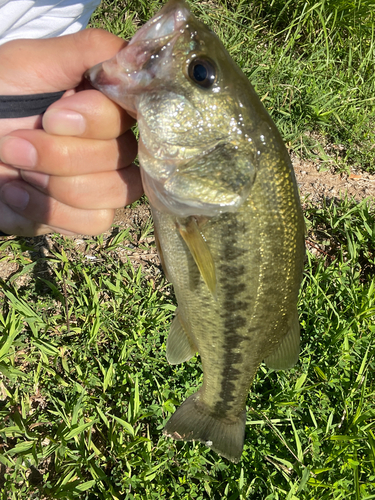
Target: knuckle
(101, 220)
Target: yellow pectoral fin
(200, 252)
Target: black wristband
(19, 106)
(3, 234)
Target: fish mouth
(134, 68)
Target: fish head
(196, 113)
(142, 65)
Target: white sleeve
(43, 19)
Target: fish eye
(202, 72)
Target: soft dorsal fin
(180, 346)
(286, 353)
(199, 250)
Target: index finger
(53, 64)
(88, 114)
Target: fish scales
(225, 329)
(228, 221)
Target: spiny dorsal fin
(180, 347)
(199, 250)
(286, 353)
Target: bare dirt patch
(316, 183)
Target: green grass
(312, 63)
(86, 389)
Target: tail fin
(193, 421)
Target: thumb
(53, 64)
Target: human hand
(68, 170)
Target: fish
(229, 227)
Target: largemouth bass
(228, 220)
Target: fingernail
(18, 152)
(15, 196)
(63, 122)
(35, 178)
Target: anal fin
(180, 347)
(286, 353)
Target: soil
(317, 184)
